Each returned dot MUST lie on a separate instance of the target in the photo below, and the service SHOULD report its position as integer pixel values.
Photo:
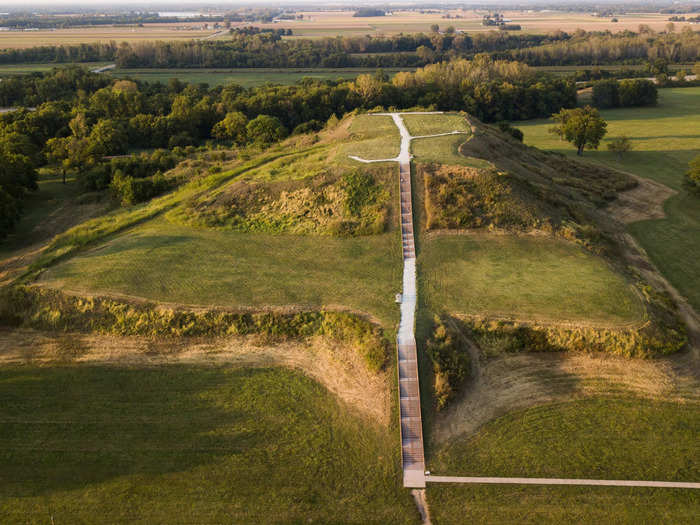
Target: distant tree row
(251, 47)
(620, 48)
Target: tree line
(625, 47)
(249, 47)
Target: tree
(265, 129)
(426, 54)
(680, 75)
(692, 176)
(620, 145)
(696, 69)
(232, 127)
(637, 92)
(606, 94)
(107, 137)
(583, 127)
(67, 152)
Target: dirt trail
(338, 367)
(644, 202)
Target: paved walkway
(559, 481)
(409, 389)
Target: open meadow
(186, 444)
(599, 438)
(164, 262)
(664, 139)
(525, 278)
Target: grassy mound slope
(188, 444)
(526, 277)
(591, 438)
(164, 262)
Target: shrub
(46, 309)
(692, 176)
(450, 359)
(516, 133)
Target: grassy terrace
(593, 438)
(665, 138)
(187, 444)
(526, 277)
(372, 137)
(432, 124)
(161, 261)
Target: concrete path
(103, 68)
(559, 481)
(409, 389)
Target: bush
(45, 309)
(450, 358)
(516, 133)
(662, 334)
(129, 190)
(692, 176)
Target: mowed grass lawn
(418, 125)
(593, 438)
(161, 261)
(188, 444)
(528, 278)
(665, 138)
(372, 137)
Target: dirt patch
(646, 201)
(519, 381)
(334, 365)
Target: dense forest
(80, 118)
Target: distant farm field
(330, 23)
(528, 278)
(25, 69)
(164, 262)
(664, 138)
(190, 444)
(82, 35)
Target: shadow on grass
(72, 427)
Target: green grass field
(592, 438)
(524, 277)
(25, 69)
(372, 137)
(161, 261)
(245, 77)
(432, 124)
(665, 138)
(188, 444)
(533, 505)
